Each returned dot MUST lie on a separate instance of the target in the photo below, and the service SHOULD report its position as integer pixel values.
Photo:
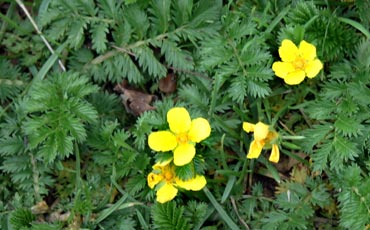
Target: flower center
(168, 176)
(182, 138)
(299, 63)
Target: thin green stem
(78, 167)
(224, 164)
(35, 177)
(128, 48)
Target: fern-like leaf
(169, 216)
(21, 219)
(99, 36)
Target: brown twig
(237, 213)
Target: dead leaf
(168, 84)
(59, 216)
(40, 208)
(299, 173)
(135, 102)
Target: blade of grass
(277, 20)
(49, 63)
(142, 221)
(230, 184)
(356, 25)
(8, 21)
(220, 210)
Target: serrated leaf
(313, 136)
(169, 216)
(124, 67)
(11, 145)
(161, 15)
(185, 172)
(238, 89)
(193, 95)
(99, 36)
(348, 126)
(320, 156)
(138, 19)
(258, 89)
(149, 62)
(345, 150)
(176, 57)
(76, 34)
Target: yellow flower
(297, 62)
(183, 135)
(163, 177)
(263, 137)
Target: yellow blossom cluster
(184, 133)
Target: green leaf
(99, 36)
(348, 126)
(149, 62)
(76, 34)
(138, 19)
(123, 67)
(161, 15)
(21, 219)
(176, 57)
(185, 172)
(169, 216)
(313, 136)
(11, 145)
(320, 156)
(344, 150)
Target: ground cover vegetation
(184, 114)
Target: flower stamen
(182, 138)
(299, 63)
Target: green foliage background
(66, 138)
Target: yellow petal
(295, 78)
(255, 149)
(313, 68)
(183, 154)
(194, 184)
(199, 130)
(153, 179)
(248, 127)
(282, 69)
(275, 154)
(162, 141)
(261, 130)
(166, 193)
(307, 50)
(288, 51)
(179, 120)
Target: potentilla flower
(297, 62)
(184, 133)
(264, 137)
(163, 177)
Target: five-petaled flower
(297, 62)
(183, 135)
(263, 137)
(163, 177)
